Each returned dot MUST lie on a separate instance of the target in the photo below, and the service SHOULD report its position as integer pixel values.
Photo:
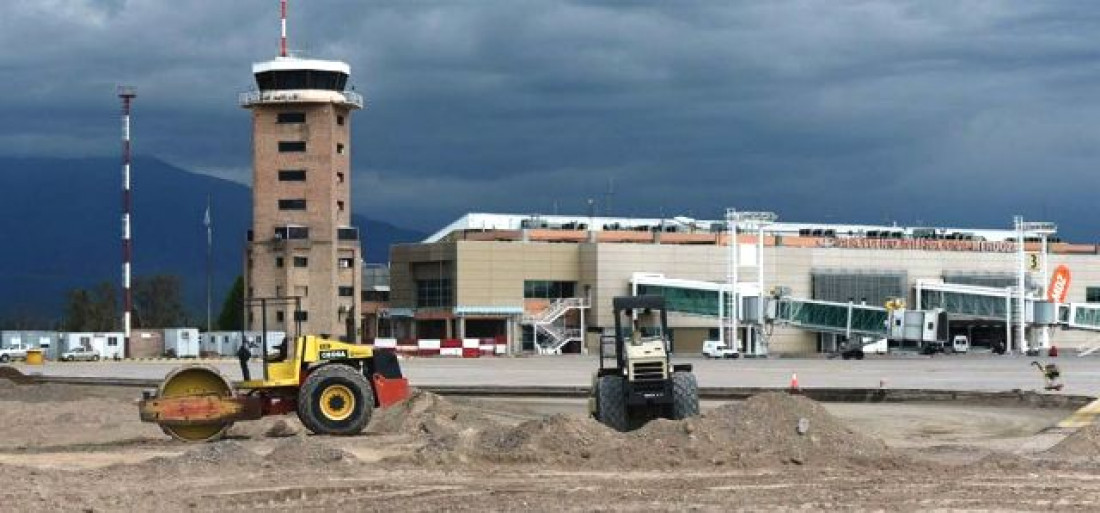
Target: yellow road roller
(333, 387)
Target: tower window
(340, 206)
(292, 146)
(346, 263)
(301, 261)
(279, 316)
(291, 117)
(347, 291)
(340, 148)
(278, 262)
(339, 177)
(340, 120)
(292, 204)
(292, 175)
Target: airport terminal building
(546, 282)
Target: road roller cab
(333, 387)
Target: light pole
(754, 222)
(1025, 229)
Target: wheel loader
(333, 387)
(636, 381)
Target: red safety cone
(794, 383)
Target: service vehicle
(80, 354)
(636, 381)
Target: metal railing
(250, 98)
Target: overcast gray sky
(933, 112)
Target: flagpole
(209, 262)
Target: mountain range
(61, 226)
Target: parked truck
(17, 351)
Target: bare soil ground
(83, 449)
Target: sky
(959, 113)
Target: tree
(94, 310)
(230, 318)
(158, 301)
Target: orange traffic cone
(794, 383)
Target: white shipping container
(181, 342)
(226, 343)
(106, 345)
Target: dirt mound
(427, 414)
(301, 450)
(1081, 444)
(267, 427)
(51, 392)
(222, 454)
(782, 428)
(10, 375)
(765, 431)
(554, 439)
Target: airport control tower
(302, 243)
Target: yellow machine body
(196, 403)
(307, 350)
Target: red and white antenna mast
(282, 17)
(127, 95)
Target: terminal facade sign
(927, 245)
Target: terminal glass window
(292, 146)
(699, 302)
(291, 232)
(1092, 294)
(291, 117)
(434, 293)
(292, 175)
(541, 289)
(292, 204)
(869, 287)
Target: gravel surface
(85, 450)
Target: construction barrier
(449, 347)
(428, 347)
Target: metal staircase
(550, 334)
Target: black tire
(95, 357)
(685, 395)
(611, 402)
(323, 401)
(4, 358)
(858, 355)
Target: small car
(716, 349)
(80, 354)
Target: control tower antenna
(282, 19)
(127, 95)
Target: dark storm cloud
(944, 112)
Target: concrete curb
(1013, 398)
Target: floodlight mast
(126, 94)
(1024, 229)
(748, 221)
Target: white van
(716, 349)
(960, 344)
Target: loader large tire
(611, 403)
(335, 400)
(685, 395)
